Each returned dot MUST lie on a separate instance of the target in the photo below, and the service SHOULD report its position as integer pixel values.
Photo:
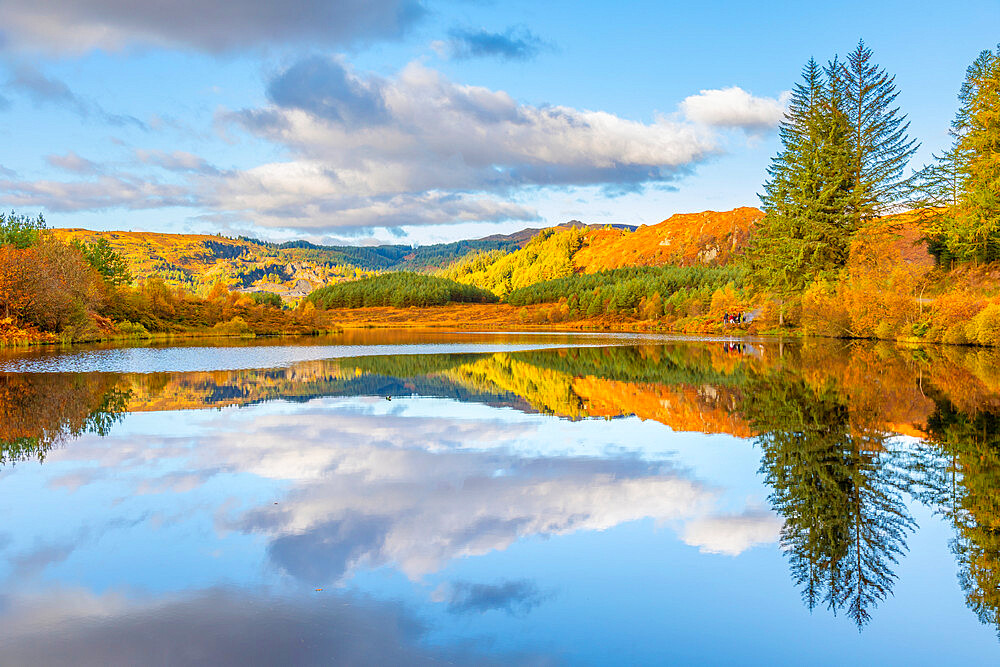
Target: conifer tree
(879, 143)
(959, 192)
(806, 231)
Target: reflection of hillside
(703, 408)
(366, 376)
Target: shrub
(823, 311)
(234, 327)
(985, 327)
(133, 330)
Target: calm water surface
(408, 498)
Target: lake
(401, 497)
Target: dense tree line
(644, 291)
(400, 290)
(49, 284)
(961, 189)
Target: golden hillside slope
(709, 237)
(198, 261)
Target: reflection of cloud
(363, 499)
(516, 597)
(76, 479)
(411, 492)
(215, 627)
(30, 563)
(732, 535)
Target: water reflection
(838, 490)
(848, 437)
(41, 411)
(223, 626)
(967, 493)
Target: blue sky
(421, 121)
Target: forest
(399, 290)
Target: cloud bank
(361, 151)
(418, 148)
(75, 26)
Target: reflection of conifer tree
(845, 521)
(973, 443)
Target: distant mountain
(291, 269)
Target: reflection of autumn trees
(40, 410)
(968, 493)
(838, 491)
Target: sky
(422, 121)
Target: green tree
(879, 144)
(806, 229)
(107, 261)
(20, 230)
(978, 130)
(962, 188)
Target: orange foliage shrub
(49, 285)
(823, 310)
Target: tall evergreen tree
(879, 143)
(806, 231)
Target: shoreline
(484, 318)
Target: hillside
(706, 239)
(685, 239)
(291, 270)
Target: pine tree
(806, 229)
(880, 145)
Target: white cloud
(734, 534)
(736, 108)
(181, 161)
(73, 163)
(105, 192)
